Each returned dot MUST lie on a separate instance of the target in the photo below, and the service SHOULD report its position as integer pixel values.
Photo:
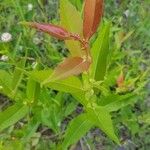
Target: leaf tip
(24, 23)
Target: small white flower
(36, 40)
(30, 7)
(34, 64)
(127, 13)
(6, 37)
(4, 58)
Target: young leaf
(102, 119)
(71, 20)
(120, 80)
(70, 66)
(11, 115)
(53, 30)
(76, 129)
(100, 51)
(93, 11)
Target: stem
(84, 45)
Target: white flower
(34, 65)
(30, 7)
(6, 37)
(128, 13)
(4, 58)
(36, 40)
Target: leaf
(115, 102)
(93, 11)
(100, 52)
(80, 97)
(76, 129)
(70, 108)
(69, 85)
(102, 119)
(31, 87)
(120, 80)
(32, 90)
(17, 76)
(70, 66)
(121, 37)
(52, 30)
(71, 20)
(5, 82)
(145, 118)
(30, 130)
(77, 4)
(11, 115)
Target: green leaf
(100, 51)
(5, 82)
(6, 86)
(70, 108)
(115, 102)
(102, 119)
(70, 85)
(129, 119)
(11, 115)
(77, 3)
(80, 97)
(17, 76)
(31, 85)
(71, 20)
(76, 129)
(33, 89)
(30, 130)
(145, 118)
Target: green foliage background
(131, 52)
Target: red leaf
(93, 11)
(53, 30)
(120, 80)
(70, 66)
